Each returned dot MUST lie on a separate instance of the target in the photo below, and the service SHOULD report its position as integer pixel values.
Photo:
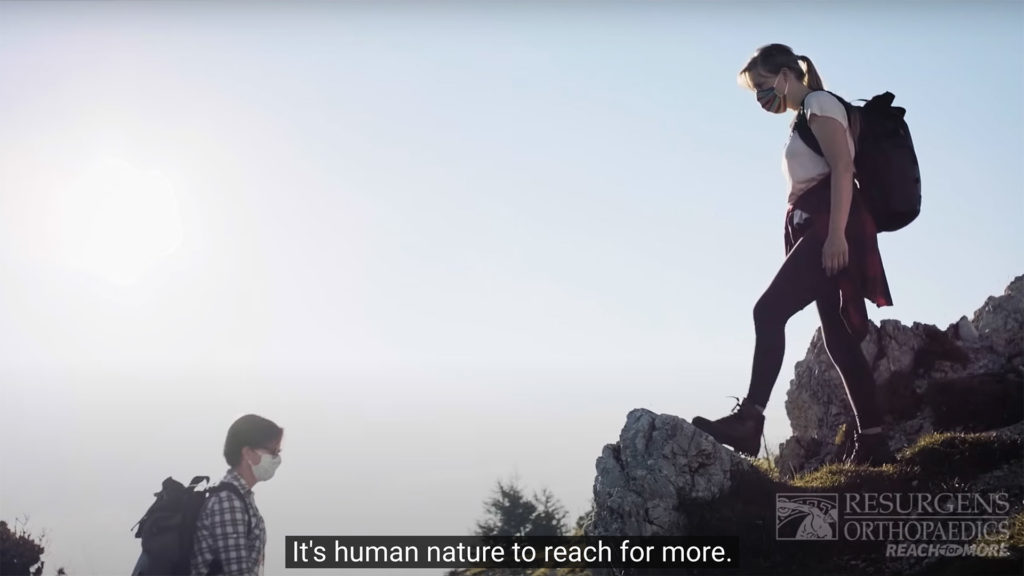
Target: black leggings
(800, 281)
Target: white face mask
(265, 468)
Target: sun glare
(117, 221)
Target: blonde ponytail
(811, 77)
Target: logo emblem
(807, 516)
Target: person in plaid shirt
(832, 257)
(231, 536)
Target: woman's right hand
(835, 255)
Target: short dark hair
(252, 431)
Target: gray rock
(907, 361)
(1000, 321)
(799, 453)
(966, 331)
(660, 467)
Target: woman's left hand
(835, 255)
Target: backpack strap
(229, 487)
(803, 128)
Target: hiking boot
(871, 450)
(741, 429)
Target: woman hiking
(832, 257)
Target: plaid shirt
(221, 533)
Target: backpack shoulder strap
(229, 487)
(803, 128)
(853, 118)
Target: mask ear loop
(260, 459)
(782, 97)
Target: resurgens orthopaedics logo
(911, 524)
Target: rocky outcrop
(1000, 322)
(968, 377)
(665, 477)
(661, 467)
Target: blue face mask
(771, 101)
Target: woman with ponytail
(832, 257)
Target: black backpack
(888, 174)
(168, 527)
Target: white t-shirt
(801, 165)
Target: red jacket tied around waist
(864, 276)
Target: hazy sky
(439, 243)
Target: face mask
(265, 468)
(771, 101)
